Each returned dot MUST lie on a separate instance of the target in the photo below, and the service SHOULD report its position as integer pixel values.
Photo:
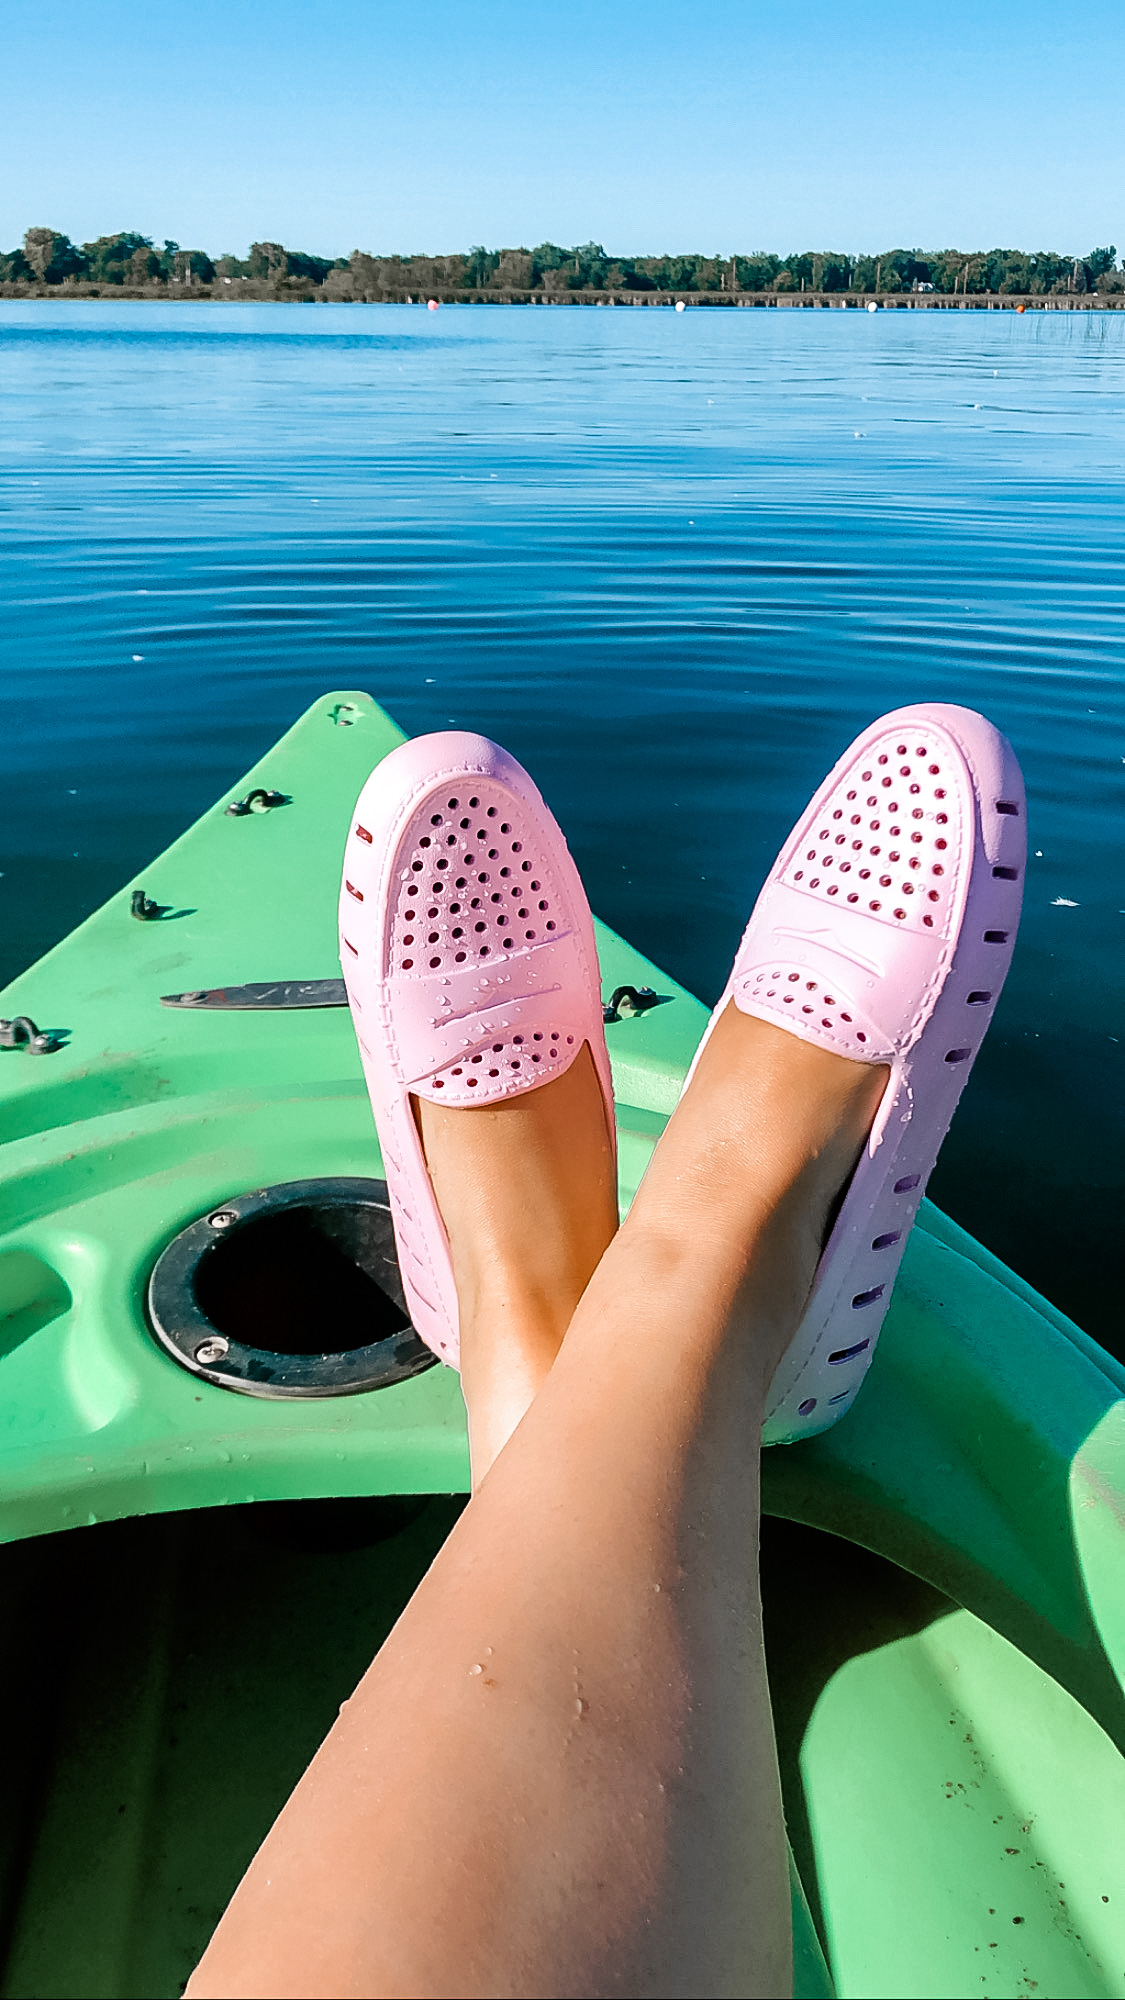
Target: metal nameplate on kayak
(264, 993)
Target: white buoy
(872, 306)
(681, 305)
(431, 305)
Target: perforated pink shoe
(885, 932)
(468, 954)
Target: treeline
(50, 258)
(133, 262)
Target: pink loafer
(885, 932)
(468, 953)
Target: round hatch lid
(292, 1290)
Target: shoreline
(262, 294)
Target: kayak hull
(984, 1462)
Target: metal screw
(210, 1351)
(222, 1218)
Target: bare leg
(558, 1777)
(528, 1196)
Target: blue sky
(648, 125)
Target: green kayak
(943, 1573)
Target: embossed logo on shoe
(829, 941)
(490, 1006)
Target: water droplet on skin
(476, 1669)
(581, 1707)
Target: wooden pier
(338, 292)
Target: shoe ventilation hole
(996, 937)
(510, 1063)
(841, 1398)
(884, 1242)
(470, 887)
(958, 1055)
(867, 1298)
(353, 891)
(885, 840)
(791, 993)
(1005, 874)
(978, 999)
(907, 1183)
(361, 833)
(806, 1408)
(1008, 806)
(843, 1354)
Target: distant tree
(757, 273)
(835, 272)
(513, 270)
(479, 266)
(363, 272)
(274, 264)
(52, 256)
(710, 274)
(800, 270)
(39, 249)
(631, 272)
(591, 267)
(545, 258)
(584, 267)
(900, 270)
(945, 267)
(144, 266)
(109, 258)
(192, 267)
(14, 268)
(269, 261)
(432, 274)
(1049, 270)
(671, 274)
(313, 270)
(1008, 271)
(1101, 261)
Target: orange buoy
(1021, 309)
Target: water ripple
(673, 560)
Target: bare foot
(528, 1196)
(744, 1185)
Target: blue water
(674, 561)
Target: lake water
(673, 561)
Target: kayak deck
(166, 1680)
(985, 1457)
